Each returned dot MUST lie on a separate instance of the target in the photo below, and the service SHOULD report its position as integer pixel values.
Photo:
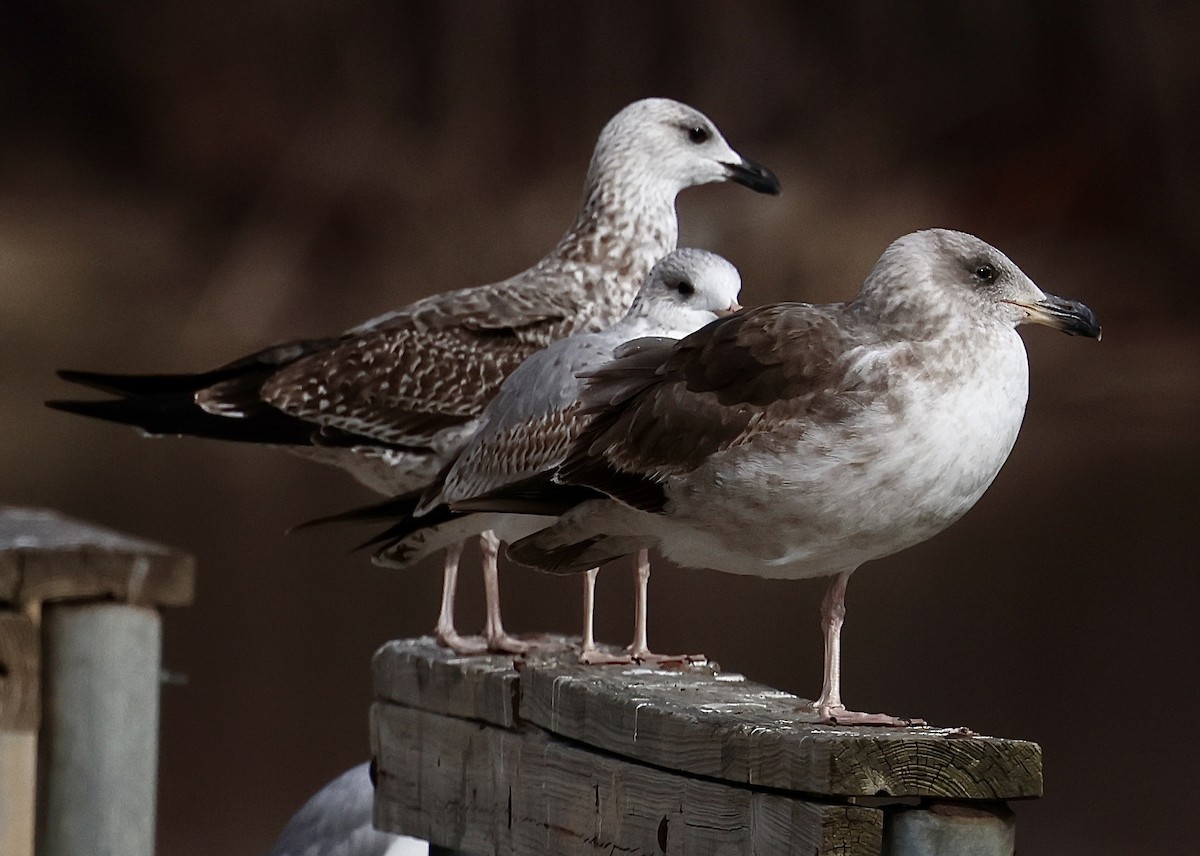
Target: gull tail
(548, 551)
(401, 506)
(178, 415)
(224, 403)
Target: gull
(794, 440)
(336, 821)
(391, 400)
(529, 426)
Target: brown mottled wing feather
(663, 409)
(431, 367)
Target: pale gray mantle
(558, 759)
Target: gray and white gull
(392, 400)
(530, 425)
(795, 440)
(336, 821)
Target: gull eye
(685, 288)
(985, 273)
(699, 134)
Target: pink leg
(829, 706)
(639, 649)
(497, 638)
(590, 654)
(444, 631)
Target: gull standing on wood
(794, 440)
(393, 399)
(531, 423)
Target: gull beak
(1070, 316)
(732, 308)
(755, 176)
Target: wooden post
(557, 758)
(99, 735)
(19, 699)
(79, 671)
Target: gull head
(687, 289)
(939, 273)
(665, 142)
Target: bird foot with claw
(646, 656)
(600, 657)
(839, 715)
(464, 646)
(533, 644)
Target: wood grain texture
(45, 556)
(20, 682)
(725, 727)
(422, 674)
(489, 790)
(18, 778)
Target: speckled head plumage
(939, 276)
(669, 146)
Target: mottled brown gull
(530, 425)
(390, 401)
(795, 441)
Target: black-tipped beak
(755, 176)
(1070, 316)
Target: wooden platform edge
(46, 556)
(484, 789)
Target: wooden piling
(79, 675)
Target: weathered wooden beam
(433, 678)
(45, 556)
(724, 726)
(641, 760)
(488, 790)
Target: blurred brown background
(182, 184)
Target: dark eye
(685, 288)
(699, 134)
(985, 273)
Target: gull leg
(639, 649)
(497, 638)
(829, 706)
(590, 654)
(444, 631)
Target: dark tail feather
(538, 494)
(142, 385)
(399, 509)
(398, 506)
(154, 419)
(407, 526)
(258, 365)
(178, 415)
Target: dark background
(182, 184)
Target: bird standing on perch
(794, 440)
(392, 400)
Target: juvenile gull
(795, 441)
(529, 426)
(392, 400)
